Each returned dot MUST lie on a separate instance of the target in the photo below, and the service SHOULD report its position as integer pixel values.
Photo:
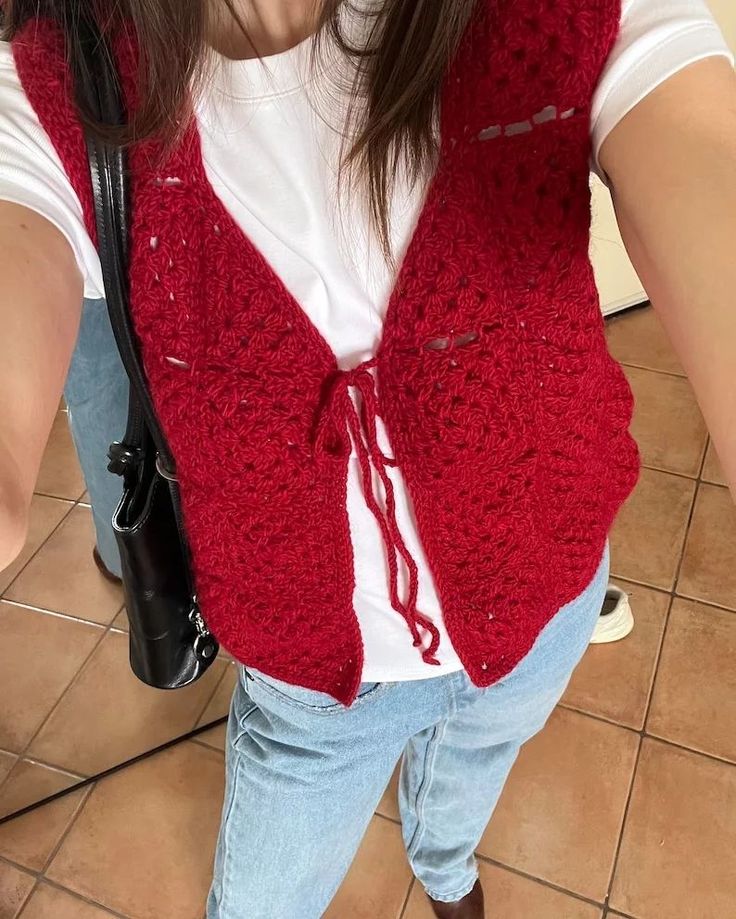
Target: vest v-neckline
(192, 143)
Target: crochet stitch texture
(507, 416)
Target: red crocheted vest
(507, 416)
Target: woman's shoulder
(656, 40)
(31, 172)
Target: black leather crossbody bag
(170, 644)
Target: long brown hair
(397, 74)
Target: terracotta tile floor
(625, 806)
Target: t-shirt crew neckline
(270, 77)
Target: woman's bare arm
(672, 164)
(40, 306)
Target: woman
(360, 280)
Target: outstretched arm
(40, 305)
(672, 166)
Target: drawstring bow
(340, 417)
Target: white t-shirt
(271, 153)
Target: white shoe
(616, 619)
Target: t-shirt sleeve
(656, 41)
(31, 173)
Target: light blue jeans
(96, 394)
(304, 774)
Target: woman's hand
(40, 305)
(672, 166)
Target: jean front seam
(425, 785)
(225, 885)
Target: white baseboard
(618, 284)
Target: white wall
(725, 13)
(618, 283)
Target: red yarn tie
(341, 415)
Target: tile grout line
(650, 689)
(487, 859)
(711, 757)
(705, 453)
(513, 870)
(609, 914)
(618, 315)
(394, 820)
(207, 746)
(658, 659)
(105, 629)
(701, 473)
(38, 761)
(22, 755)
(664, 373)
(643, 734)
(655, 669)
(75, 895)
(681, 475)
(28, 899)
(724, 761)
(649, 586)
(67, 688)
(402, 911)
(678, 571)
(43, 543)
(55, 612)
(92, 780)
(672, 590)
(5, 778)
(4, 860)
(622, 828)
(84, 798)
(50, 799)
(39, 874)
(616, 724)
(82, 780)
(671, 593)
(46, 494)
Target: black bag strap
(97, 85)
